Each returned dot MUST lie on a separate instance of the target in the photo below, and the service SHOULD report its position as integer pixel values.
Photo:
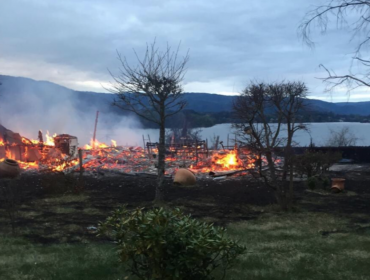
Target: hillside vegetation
(23, 95)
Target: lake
(320, 133)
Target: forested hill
(20, 93)
(19, 88)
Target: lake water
(320, 133)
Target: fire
(228, 161)
(49, 139)
(9, 154)
(95, 145)
(48, 142)
(37, 154)
(58, 153)
(65, 165)
(114, 143)
(28, 165)
(27, 141)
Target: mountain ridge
(15, 88)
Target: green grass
(20, 259)
(279, 246)
(298, 246)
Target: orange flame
(9, 154)
(126, 159)
(228, 161)
(65, 165)
(49, 139)
(96, 145)
(114, 143)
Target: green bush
(161, 244)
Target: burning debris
(59, 153)
(67, 144)
(55, 153)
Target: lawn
(20, 259)
(300, 245)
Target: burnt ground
(56, 208)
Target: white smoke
(31, 107)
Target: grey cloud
(230, 42)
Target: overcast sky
(74, 42)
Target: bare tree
(342, 138)
(255, 107)
(289, 99)
(152, 90)
(351, 13)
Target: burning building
(59, 153)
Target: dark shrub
(318, 182)
(314, 163)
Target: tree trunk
(159, 192)
(271, 165)
(282, 197)
(291, 188)
(287, 153)
(280, 188)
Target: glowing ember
(65, 165)
(28, 165)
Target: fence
(358, 154)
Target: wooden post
(81, 184)
(81, 164)
(183, 156)
(196, 151)
(20, 153)
(41, 138)
(96, 125)
(207, 147)
(216, 144)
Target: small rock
(92, 228)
